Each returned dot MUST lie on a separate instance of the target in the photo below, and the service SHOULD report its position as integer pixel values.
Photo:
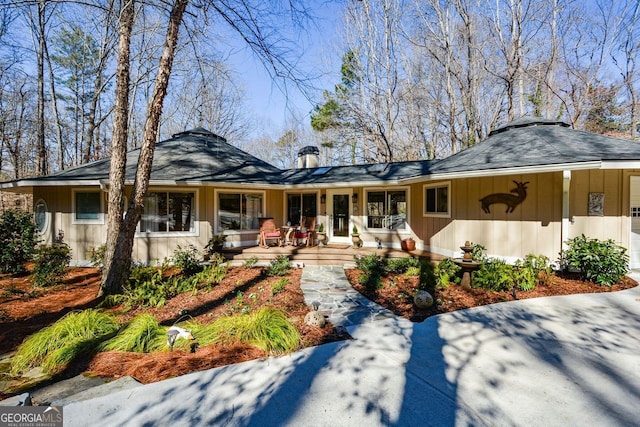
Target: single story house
(526, 189)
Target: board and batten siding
(533, 227)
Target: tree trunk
(41, 150)
(117, 271)
(112, 282)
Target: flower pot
(355, 238)
(321, 237)
(408, 244)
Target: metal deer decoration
(511, 200)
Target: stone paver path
(342, 305)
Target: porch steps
(315, 255)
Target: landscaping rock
(423, 300)
(65, 388)
(314, 318)
(124, 383)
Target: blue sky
(320, 59)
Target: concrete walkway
(571, 360)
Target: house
(527, 188)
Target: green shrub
(55, 346)
(97, 255)
(602, 262)
(18, 239)
(187, 260)
(251, 261)
(401, 265)
(478, 253)
(446, 271)
(142, 334)
(412, 272)
(524, 275)
(373, 266)
(494, 275)
(279, 266)
(279, 286)
(50, 264)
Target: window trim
(74, 219)
(424, 200)
(45, 227)
(196, 228)
(216, 210)
(365, 211)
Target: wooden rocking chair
(307, 231)
(268, 231)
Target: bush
(602, 262)
(18, 239)
(279, 286)
(50, 264)
(251, 261)
(446, 271)
(55, 346)
(373, 266)
(279, 266)
(97, 255)
(401, 265)
(494, 275)
(187, 260)
(478, 253)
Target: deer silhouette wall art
(511, 200)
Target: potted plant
(355, 237)
(215, 245)
(322, 236)
(408, 244)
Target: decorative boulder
(314, 318)
(423, 299)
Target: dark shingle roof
(195, 155)
(201, 156)
(537, 142)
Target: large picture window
(299, 205)
(239, 211)
(166, 211)
(436, 200)
(387, 209)
(87, 207)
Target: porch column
(566, 186)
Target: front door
(634, 241)
(339, 209)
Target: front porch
(319, 255)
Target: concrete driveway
(559, 361)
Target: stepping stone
(23, 399)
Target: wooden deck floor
(319, 255)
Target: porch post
(566, 186)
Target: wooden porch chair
(268, 231)
(307, 231)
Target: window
(436, 200)
(40, 215)
(87, 207)
(299, 205)
(387, 209)
(239, 211)
(168, 212)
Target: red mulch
(397, 297)
(25, 310)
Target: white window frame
(424, 200)
(216, 208)
(407, 221)
(196, 228)
(45, 227)
(75, 220)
